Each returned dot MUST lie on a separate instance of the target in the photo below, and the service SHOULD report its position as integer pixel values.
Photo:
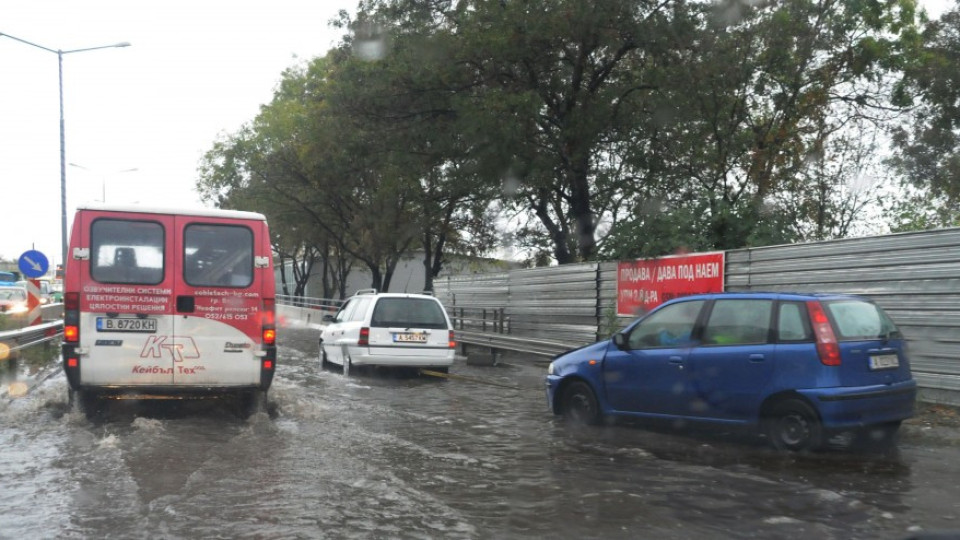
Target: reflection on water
(396, 456)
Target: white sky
(195, 70)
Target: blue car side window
(669, 326)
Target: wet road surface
(394, 456)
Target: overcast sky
(195, 70)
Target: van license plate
(106, 324)
(418, 337)
(884, 361)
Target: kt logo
(180, 347)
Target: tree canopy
(586, 129)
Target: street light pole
(63, 150)
(103, 178)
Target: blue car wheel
(579, 404)
(793, 425)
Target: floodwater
(394, 456)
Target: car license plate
(884, 361)
(106, 324)
(414, 337)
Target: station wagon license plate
(106, 324)
(884, 361)
(411, 337)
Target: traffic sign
(33, 264)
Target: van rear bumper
(860, 406)
(166, 392)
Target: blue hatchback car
(795, 367)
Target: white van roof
(206, 212)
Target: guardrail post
(484, 318)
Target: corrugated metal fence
(914, 276)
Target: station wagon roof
(202, 212)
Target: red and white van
(161, 303)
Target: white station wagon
(388, 329)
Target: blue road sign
(34, 264)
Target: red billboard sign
(644, 284)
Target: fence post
(484, 319)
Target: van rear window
(408, 313)
(126, 251)
(218, 255)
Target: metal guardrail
(32, 335)
(326, 304)
(491, 327)
(482, 327)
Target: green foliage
(928, 154)
(600, 128)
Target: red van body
(160, 302)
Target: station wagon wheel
(579, 404)
(324, 363)
(793, 425)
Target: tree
(928, 154)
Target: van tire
(82, 401)
(252, 402)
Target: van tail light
(71, 317)
(827, 346)
(452, 342)
(71, 334)
(364, 340)
(268, 322)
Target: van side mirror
(620, 341)
(328, 318)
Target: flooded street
(476, 456)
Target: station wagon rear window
(126, 251)
(408, 313)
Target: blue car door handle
(756, 358)
(677, 361)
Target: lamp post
(63, 153)
(103, 178)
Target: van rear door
(218, 301)
(126, 311)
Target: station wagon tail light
(364, 340)
(268, 322)
(827, 346)
(453, 342)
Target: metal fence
(915, 277)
